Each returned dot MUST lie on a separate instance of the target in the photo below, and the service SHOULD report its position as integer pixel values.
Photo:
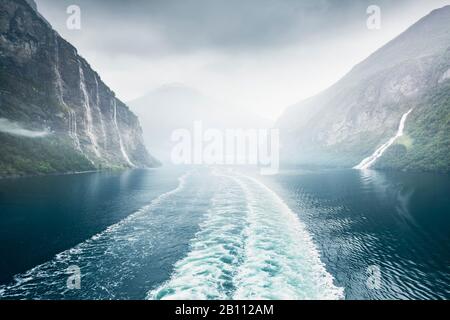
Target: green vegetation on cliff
(46, 86)
(426, 145)
(25, 156)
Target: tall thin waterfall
(73, 128)
(87, 106)
(100, 115)
(369, 161)
(122, 149)
(72, 120)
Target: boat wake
(106, 259)
(245, 244)
(251, 246)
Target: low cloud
(257, 55)
(16, 129)
(165, 27)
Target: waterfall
(122, 149)
(87, 107)
(71, 113)
(100, 115)
(369, 161)
(73, 129)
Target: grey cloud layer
(148, 27)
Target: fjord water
(217, 233)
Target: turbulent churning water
(251, 246)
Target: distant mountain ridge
(46, 86)
(347, 122)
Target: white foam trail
(208, 269)
(369, 161)
(251, 246)
(281, 260)
(122, 149)
(131, 235)
(87, 107)
(16, 129)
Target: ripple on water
(251, 246)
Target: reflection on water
(401, 194)
(42, 216)
(395, 220)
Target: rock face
(46, 85)
(350, 120)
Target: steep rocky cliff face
(45, 86)
(350, 120)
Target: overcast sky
(262, 55)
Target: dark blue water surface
(43, 216)
(396, 221)
(127, 231)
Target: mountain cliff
(56, 113)
(349, 121)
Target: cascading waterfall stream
(100, 115)
(72, 121)
(122, 149)
(369, 161)
(73, 128)
(87, 107)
